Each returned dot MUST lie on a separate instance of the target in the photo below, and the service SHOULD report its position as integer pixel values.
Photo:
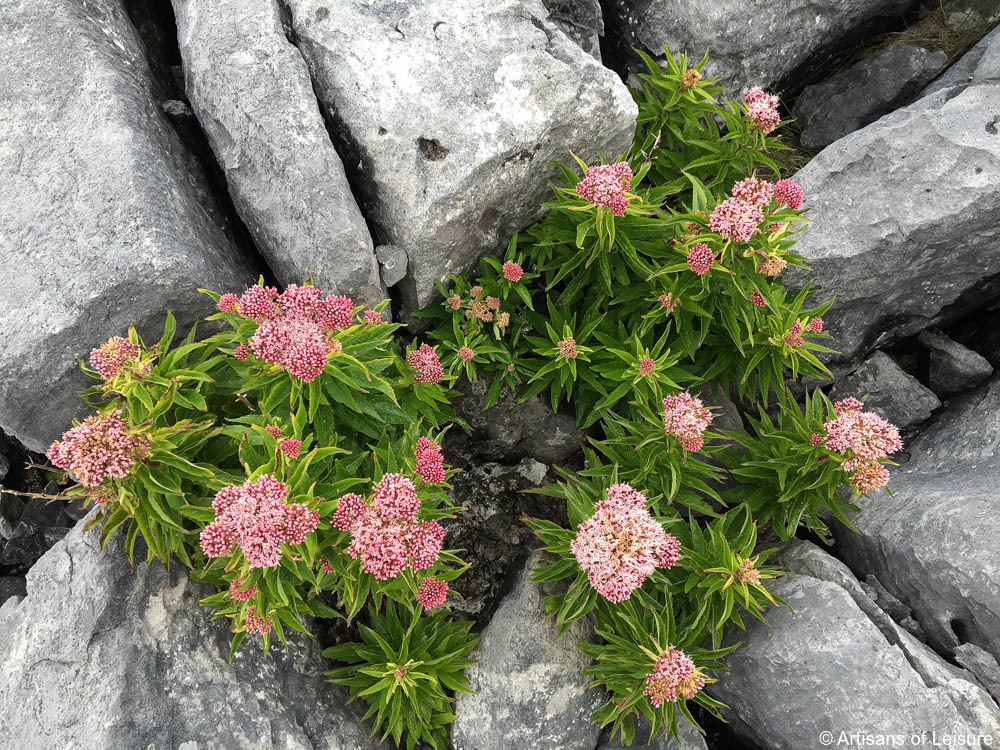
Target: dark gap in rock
(616, 51)
(979, 329)
(154, 20)
(838, 52)
(344, 143)
(960, 629)
(719, 735)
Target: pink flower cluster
(430, 462)
(674, 675)
(295, 327)
(668, 302)
(425, 361)
(512, 271)
(256, 517)
(241, 596)
(686, 417)
(740, 215)
(700, 259)
(646, 366)
(864, 438)
(622, 544)
(113, 355)
(99, 448)
(762, 109)
(387, 537)
(567, 348)
(432, 593)
(607, 185)
(257, 624)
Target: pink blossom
(395, 498)
(865, 434)
(255, 517)
(430, 462)
(290, 447)
(674, 675)
(324, 564)
(646, 366)
(241, 351)
(753, 191)
(274, 431)
(297, 345)
(113, 356)
(372, 317)
(816, 439)
(241, 596)
(567, 348)
(762, 109)
(793, 337)
(257, 624)
(492, 303)
(308, 303)
(737, 219)
(350, 511)
(424, 544)
(700, 259)
(258, 303)
(686, 417)
(815, 325)
(788, 193)
(758, 299)
(869, 475)
(512, 271)
(432, 593)
(454, 302)
(466, 354)
(228, 303)
(425, 361)
(620, 545)
(99, 448)
(668, 302)
(607, 185)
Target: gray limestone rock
(100, 656)
(917, 255)
(448, 115)
(981, 63)
(253, 96)
(529, 690)
(954, 369)
(837, 664)
(106, 220)
(750, 42)
(864, 92)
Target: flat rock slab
(751, 43)
(99, 656)
(833, 667)
(864, 92)
(106, 222)
(251, 91)
(932, 544)
(916, 255)
(448, 113)
(530, 693)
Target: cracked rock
(529, 694)
(892, 392)
(918, 255)
(253, 96)
(839, 664)
(98, 655)
(107, 221)
(864, 92)
(954, 369)
(448, 115)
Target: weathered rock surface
(510, 430)
(755, 43)
(529, 690)
(100, 656)
(892, 392)
(932, 542)
(253, 96)
(838, 664)
(448, 115)
(981, 63)
(690, 738)
(864, 92)
(104, 217)
(953, 368)
(582, 20)
(917, 255)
